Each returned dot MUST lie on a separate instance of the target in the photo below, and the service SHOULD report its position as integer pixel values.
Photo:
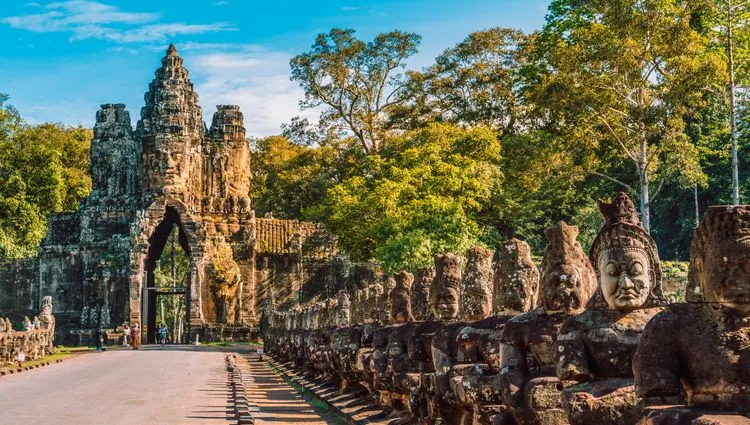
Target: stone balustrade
(585, 340)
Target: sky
(60, 60)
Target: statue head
(445, 293)
(568, 279)
(625, 260)
(420, 293)
(401, 298)
(720, 257)
(516, 286)
(477, 282)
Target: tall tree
(357, 82)
(728, 21)
(619, 77)
(472, 83)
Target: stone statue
(702, 348)
(343, 309)
(516, 282)
(27, 325)
(8, 325)
(105, 316)
(223, 275)
(93, 317)
(528, 342)
(420, 293)
(85, 317)
(595, 348)
(478, 284)
(474, 376)
(401, 298)
(36, 323)
(45, 315)
(445, 295)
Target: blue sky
(61, 59)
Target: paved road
(162, 386)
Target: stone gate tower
(170, 172)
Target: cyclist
(163, 334)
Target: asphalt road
(163, 386)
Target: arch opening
(166, 297)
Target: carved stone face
(563, 289)
(726, 271)
(625, 278)
(447, 306)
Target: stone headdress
(721, 222)
(622, 230)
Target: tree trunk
(732, 108)
(643, 180)
(697, 211)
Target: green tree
(619, 78)
(357, 82)
(44, 169)
(474, 83)
(289, 178)
(420, 195)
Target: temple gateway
(171, 172)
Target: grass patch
(61, 353)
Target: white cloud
(255, 79)
(350, 8)
(86, 19)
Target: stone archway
(157, 242)
(161, 216)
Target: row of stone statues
(585, 341)
(35, 341)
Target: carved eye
(636, 269)
(612, 269)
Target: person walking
(136, 334)
(163, 334)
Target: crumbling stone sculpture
(420, 293)
(224, 275)
(516, 284)
(344, 305)
(401, 298)
(595, 348)
(477, 284)
(704, 345)
(475, 375)
(528, 342)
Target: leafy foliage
(43, 169)
(420, 195)
(358, 82)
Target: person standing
(126, 336)
(136, 334)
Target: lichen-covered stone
(596, 347)
(703, 345)
(516, 284)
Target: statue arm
(656, 362)
(572, 357)
(514, 373)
